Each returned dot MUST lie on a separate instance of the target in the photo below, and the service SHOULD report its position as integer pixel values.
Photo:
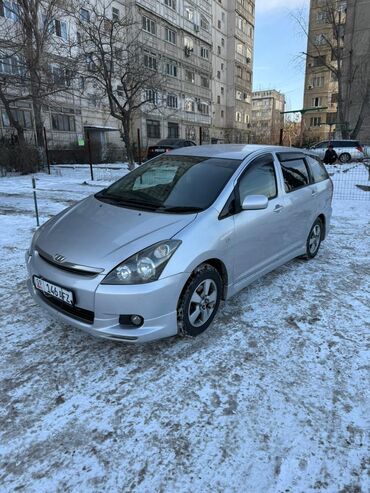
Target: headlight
(145, 266)
(35, 237)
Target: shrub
(22, 158)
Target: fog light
(131, 320)
(136, 320)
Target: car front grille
(75, 312)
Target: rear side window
(295, 174)
(259, 179)
(318, 171)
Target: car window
(295, 174)
(322, 145)
(259, 179)
(172, 184)
(318, 171)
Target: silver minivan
(152, 255)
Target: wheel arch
(323, 220)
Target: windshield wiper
(180, 209)
(115, 200)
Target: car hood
(100, 235)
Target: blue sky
(278, 42)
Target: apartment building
(342, 25)
(205, 50)
(233, 42)
(357, 39)
(321, 86)
(267, 117)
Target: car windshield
(172, 184)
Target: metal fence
(351, 181)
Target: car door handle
(278, 208)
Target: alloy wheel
(314, 240)
(202, 303)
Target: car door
(300, 196)
(258, 244)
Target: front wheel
(345, 158)
(314, 239)
(200, 300)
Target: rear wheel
(314, 239)
(199, 301)
(345, 158)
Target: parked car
(347, 150)
(152, 255)
(167, 145)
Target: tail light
(168, 149)
(360, 148)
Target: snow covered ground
(274, 398)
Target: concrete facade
(267, 120)
(206, 48)
(321, 87)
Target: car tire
(345, 158)
(314, 239)
(199, 301)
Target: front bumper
(156, 302)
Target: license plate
(51, 289)
(159, 150)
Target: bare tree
(113, 59)
(334, 49)
(35, 57)
(292, 130)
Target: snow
(273, 398)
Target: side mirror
(255, 202)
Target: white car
(347, 150)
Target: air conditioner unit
(310, 87)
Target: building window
(189, 76)
(318, 81)
(315, 121)
(115, 14)
(204, 52)
(173, 130)
(149, 25)
(189, 106)
(60, 29)
(170, 36)
(189, 13)
(151, 96)
(218, 74)
(238, 116)
(171, 4)
(218, 99)
(153, 129)
(150, 60)
(84, 15)
(203, 108)
(222, 90)
(204, 81)
(63, 123)
(222, 113)
(204, 23)
(22, 117)
(316, 102)
(171, 69)
(172, 101)
(9, 9)
(12, 65)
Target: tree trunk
(128, 143)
